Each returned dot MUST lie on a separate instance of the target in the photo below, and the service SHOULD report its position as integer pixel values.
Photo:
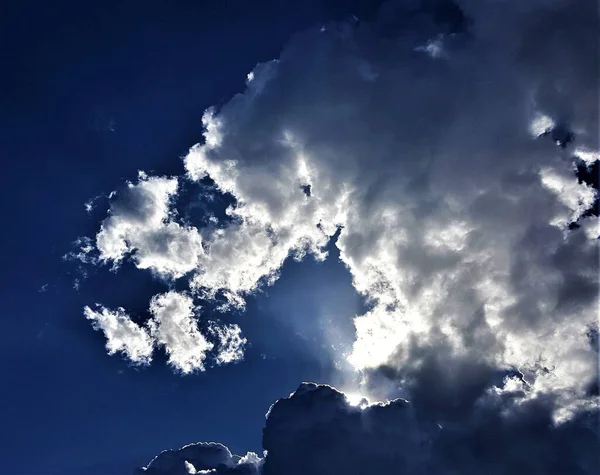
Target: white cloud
(202, 458)
(587, 155)
(174, 327)
(453, 185)
(434, 48)
(577, 197)
(231, 343)
(540, 125)
(453, 208)
(139, 223)
(122, 334)
(448, 203)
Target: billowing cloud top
(202, 458)
(443, 141)
(316, 431)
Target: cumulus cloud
(452, 176)
(139, 224)
(317, 431)
(202, 458)
(443, 140)
(231, 343)
(173, 326)
(122, 334)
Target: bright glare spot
(540, 125)
(190, 468)
(378, 334)
(303, 170)
(357, 400)
(433, 48)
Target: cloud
(450, 175)
(139, 224)
(454, 203)
(202, 458)
(442, 141)
(231, 343)
(173, 326)
(317, 431)
(122, 334)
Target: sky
(331, 238)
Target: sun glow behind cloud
(450, 178)
(356, 399)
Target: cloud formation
(202, 458)
(454, 203)
(173, 326)
(316, 431)
(443, 140)
(139, 224)
(122, 334)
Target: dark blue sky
(90, 93)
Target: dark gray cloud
(316, 431)
(201, 457)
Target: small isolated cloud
(231, 343)
(173, 326)
(122, 334)
(317, 431)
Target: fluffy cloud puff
(443, 140)
(316, 431)
(139, 223)
(202, 458)
(122, 334)
(173, 326)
